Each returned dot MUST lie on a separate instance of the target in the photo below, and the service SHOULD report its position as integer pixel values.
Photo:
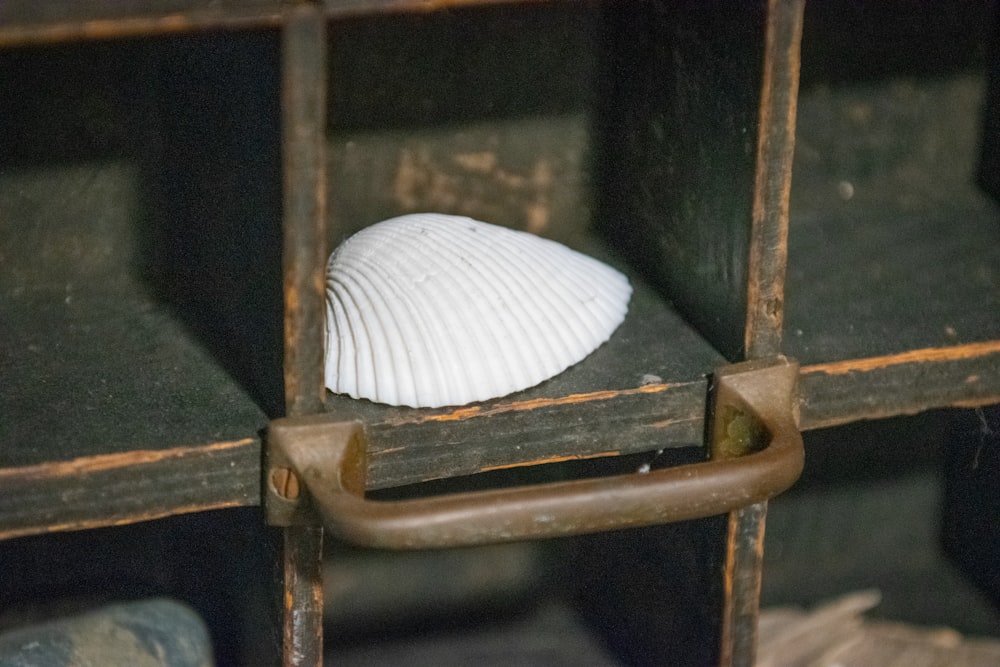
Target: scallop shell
(429, 310)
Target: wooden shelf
(879, 282)
(892, 297)
(642, 391)
(920, 325)
(26, 22)
(141, 342)
(114, 411)
(892, 247)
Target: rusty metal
(304, 75)
(753, 416)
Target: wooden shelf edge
(22, 31)
(129, 487)
(121, 488)
(470, 440)
(25, 30)
(909, 382)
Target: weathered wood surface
(88, 374)
(493, 122)
(768, 246)
(141, 345)
(837, 633)
(304, 216)
(680, 123)
(892, 247)
(27, 22)
(899, 384)
(120, 167)
(127, 486)
(643, 390)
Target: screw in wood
(285, 483)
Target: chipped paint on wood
(476, 184)
(900, 384)
(925, 355)
(461, 414)
(551, 459)
(109, 521)
(92, 464)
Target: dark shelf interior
(143, 310)
(500, 122)
(891, 245)
(88, 374)
(141, 291)
(140, 306)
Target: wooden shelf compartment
(112, 412)
(141, 325)
(635, 394)
(163, 157)
(893, 297)
(532, 133)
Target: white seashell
(429, 310)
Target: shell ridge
(559, 301)
(516, 337)
(389, 341)
(543, 311)
(471, 351)
(582, 283)
(340, 342)
(471, 348)
(459, 249)
(432, 310)
(369, 337)
(479, 294)
(350, 362)
(576, 274)
(408, 321)
(427, 302)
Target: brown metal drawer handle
(756, 453)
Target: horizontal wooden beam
(899, 384)
(128, 487)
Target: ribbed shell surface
(431, 310)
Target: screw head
(285, 483)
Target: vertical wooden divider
(304, 73)
(768, 252)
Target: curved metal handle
(756, 454)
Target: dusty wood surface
(678, 183)
(891, 245)
(126, 487)
(898, 384)
(27, 22)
